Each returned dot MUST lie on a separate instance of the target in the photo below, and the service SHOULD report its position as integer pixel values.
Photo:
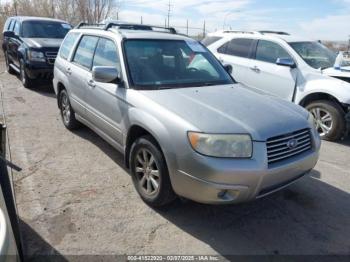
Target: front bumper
(39, 71)
(223, 181)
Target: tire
(9, 69)
(67, 112)
(329, 118)
(26, 81)
(146, 174)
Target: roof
(134, 34)
(261, 35)
(35, 18)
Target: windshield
(44, 29)
(315, 54)
(155, 64)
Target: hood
(232, 109)
(43, 42)
(341, 73)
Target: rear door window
(268, 51)
(85, 51)
(68, 44)
(241, 47)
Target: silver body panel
(111, 110)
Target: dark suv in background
(30, 45)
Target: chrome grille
(283, 147)
(51, 57)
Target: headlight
(36, 56)
(221, 145)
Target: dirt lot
(74, 196)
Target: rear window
(210, 40)
(240, 47)
(67, 45)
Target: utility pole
(187, 27)
(141, 20)
(169, 11)
(204, 29)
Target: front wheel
(26, 81)
(150, 173)
(9, 69)
(329, 119)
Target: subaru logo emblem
(292, 143)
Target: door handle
(91, 83)
(68, 71)
(255, 69)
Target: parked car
(184, 125)
(30, 45)
(295, 69)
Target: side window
(268, 51)
(16, 28)
(85, 51)
(106, 54)
(222, 49)
(240, 47)
(67, 45)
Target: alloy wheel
(147, 172)
(323, 120)
(65, 107)
(22, 74)
(7, 62)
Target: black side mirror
(286, 62)
(9, 34)
(228, 69)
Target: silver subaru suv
(185, 127)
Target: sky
(314, 19)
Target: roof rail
(237, 32)
(273, 32)
(129, 26)
(87, 25)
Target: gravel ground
(74, 196)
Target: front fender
(331, 86)
(158, 130)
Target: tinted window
(16, 28)
(45, 29)
(155, 64)
(269, 52)
(210, 40)
(85, 51)
(237, 47)
(106, 54)
(67, 45)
